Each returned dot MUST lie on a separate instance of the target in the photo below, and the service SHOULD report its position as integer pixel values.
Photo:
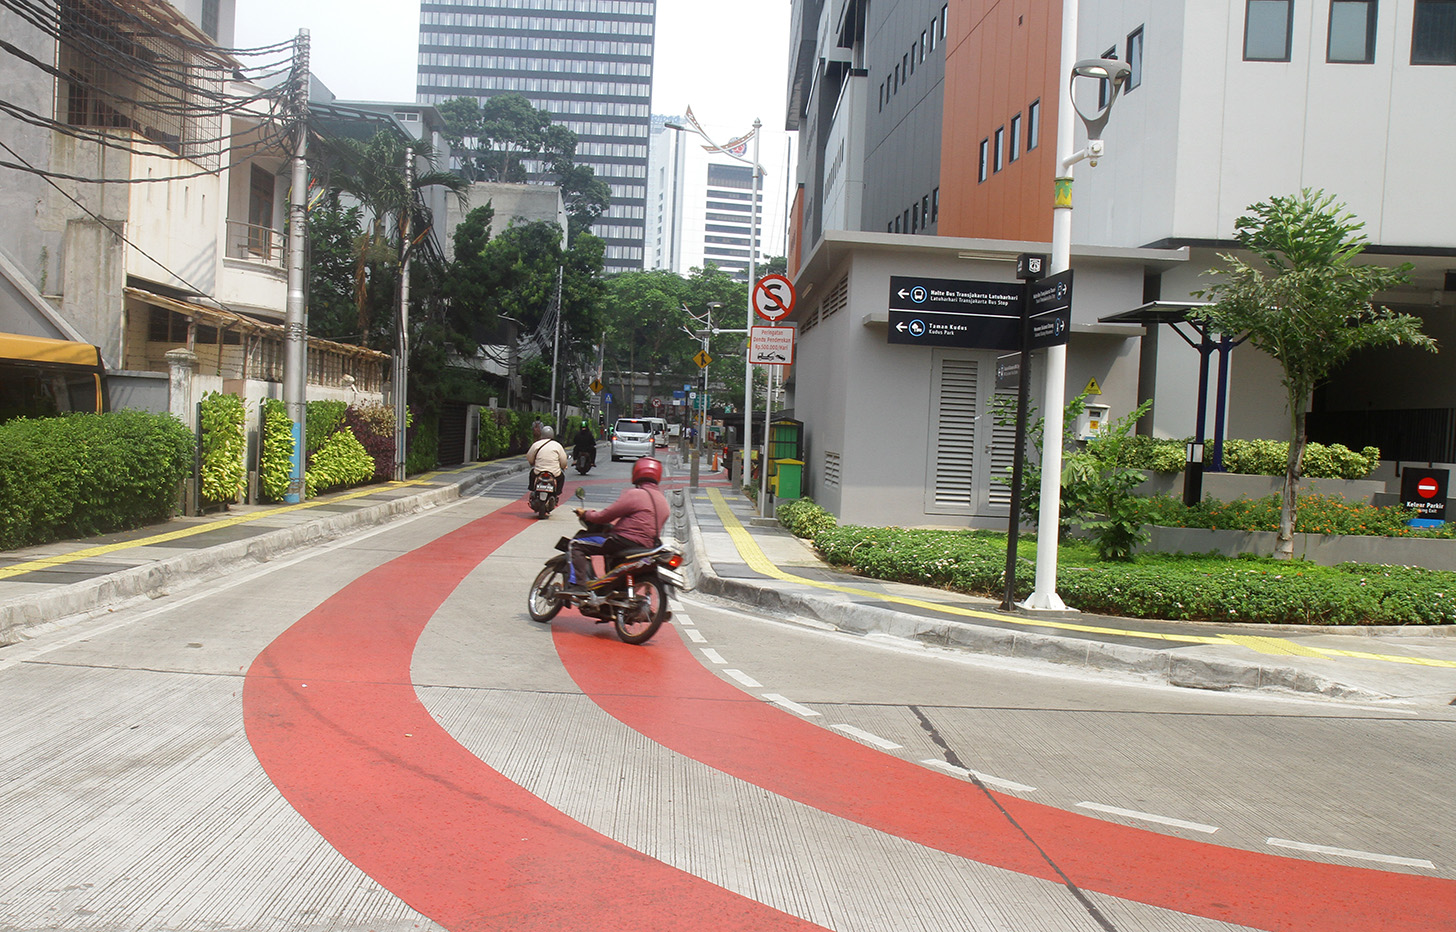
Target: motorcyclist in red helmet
(636, 518)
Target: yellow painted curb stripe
(31, 566)
(759, 562)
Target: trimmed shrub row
(1256, 457)
(1246, 590)
(1317, 514)
(83, 474)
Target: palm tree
(373, 173)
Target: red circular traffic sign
(773, 297)
(1427, 488)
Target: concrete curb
(844, 614)
(22, 619)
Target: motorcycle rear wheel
(542, 602)
(649, 611)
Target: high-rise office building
(586, 62)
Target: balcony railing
(254, 243)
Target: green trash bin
(788, 478)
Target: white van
(659, 430)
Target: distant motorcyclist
(549, 456)
(636, 518)
(585, 443)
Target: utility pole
(401, 340)
(556, 347)
(295, 319)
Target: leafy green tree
(333, 232)
(1304, 301)
(373, 173)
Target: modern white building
(701, 205)
(927, 138)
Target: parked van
(659, 430)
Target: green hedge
(804, 518)
(342, 461)
(1246, 590)
(1257, 457)
(84, 474)
(224, 445)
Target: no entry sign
(1424, 492)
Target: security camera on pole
(1115, 74)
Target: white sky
(727, 59)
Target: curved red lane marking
(333, 717)
(666, 694)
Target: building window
(925, 210)
(1104, 88)
(1352, 32)
(1268, 25)
(1033, 125)
(935, 206)
(905, 67)
(897, 77)
(1016, 137)
(922, 47)
(932, 35)
(882, 96)
(896, 224)
(1433, 37)
(944, 13)
(907, 221)
(1000, 147)
(984, 170)
(1134, 59)
(914, 218)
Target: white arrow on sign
(900, 326)
(903, 292)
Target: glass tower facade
(586, 62)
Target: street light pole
(752, 274)
(1044, 594)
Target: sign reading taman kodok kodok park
(979, 315)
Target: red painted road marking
(664, 693)
(333, 717)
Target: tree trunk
(1284, 543)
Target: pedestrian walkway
(735, 554)
(745, 558)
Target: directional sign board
(1051, 310)
(773, 297)
(953, 312)
(771, 346)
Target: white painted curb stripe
(983, 777)
(1348, 853)
(1150, 817)
(866, 737)
(790, 704)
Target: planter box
(1230, 487)
(1324, 549)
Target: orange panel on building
(1002, 56)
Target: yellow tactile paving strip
(757, 561)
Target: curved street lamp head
(679, 127)
(1115, 72)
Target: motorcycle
(543, 493)
(583, 461)
(631, 595)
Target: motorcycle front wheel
(542, 603)
(637, 624)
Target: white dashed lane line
(868, 738)
(985, 778)
(713, 656)
(1150, 817)
(744, 678)
(790, 704)
(695, 635)
(1349, 853)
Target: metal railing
(255, 243)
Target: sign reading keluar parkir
(978, 315)
(1424, 491)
